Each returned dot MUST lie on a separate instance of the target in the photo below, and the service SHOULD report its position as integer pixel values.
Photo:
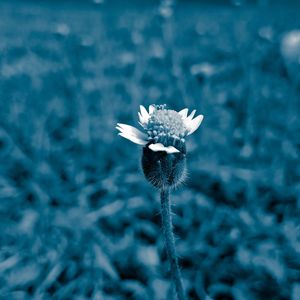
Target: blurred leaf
(24, 274)
(295, 291)
(135, 290)
(160, 288)
(104, 263)
(148, 256)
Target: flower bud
(162, 169)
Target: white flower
(164, 129)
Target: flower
(164, 129)
(163, 138)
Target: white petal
(183, 113)
(187, 120)
(151, 109)
(124, 128)
(133, 139)
(171, 149)
(144, 112)
(143, 115)
(143, 125)
(190, 117)
(160, 147)
(156, 147)
(194, 124)
(141, 118)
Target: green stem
(170, 242)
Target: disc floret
(165, 126)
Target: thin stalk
(170, 242)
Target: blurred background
(77, 218)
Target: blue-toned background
(77, 218)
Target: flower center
(165, 126)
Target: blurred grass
(78, 221)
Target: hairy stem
(170, 242)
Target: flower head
(164, 129)
(163, 138)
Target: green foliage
(77, 219)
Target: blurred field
(78, 220)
